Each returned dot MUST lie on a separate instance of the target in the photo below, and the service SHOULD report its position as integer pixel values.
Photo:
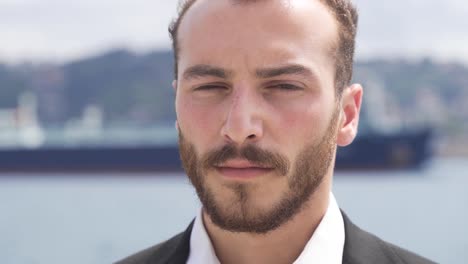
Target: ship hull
(398, 151)
(393, 151)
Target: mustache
(251, 153)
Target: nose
(243, 123)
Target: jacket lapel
(174, 251)
(360, 247)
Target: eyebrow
(203, 70)
(293, 69)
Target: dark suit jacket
(360, 247)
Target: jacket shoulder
(397, 254)
(408, 256)
(173, 251)
(364, 247)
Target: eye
(210, 87)
(285, 87)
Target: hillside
(135, 90)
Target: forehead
(280, 29)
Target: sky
(63, 30)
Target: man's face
(256, 108)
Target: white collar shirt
(324, 247)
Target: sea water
(100, 218)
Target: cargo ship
(89, 147)
(390, 151)
(399, 150)
(378, 146)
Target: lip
(241, 169)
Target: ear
(350, 108)
(174, 85)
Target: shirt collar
(325, 245)
(201, 249)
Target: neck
(287, 241)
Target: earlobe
(350, 108)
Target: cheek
(302, 123)
(197, 123)
(294, 119)
(300, 114)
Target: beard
(238, 215)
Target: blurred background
(89, 171)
